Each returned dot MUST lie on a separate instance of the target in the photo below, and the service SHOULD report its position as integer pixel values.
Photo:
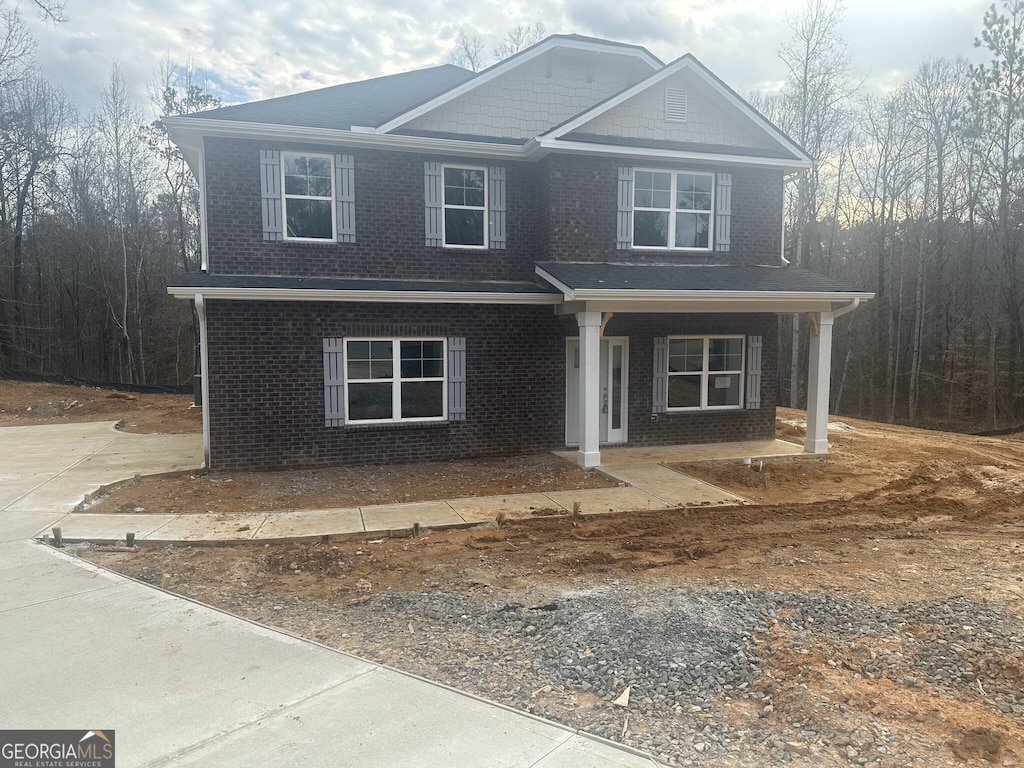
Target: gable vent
(675, 105)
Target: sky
(255, 49)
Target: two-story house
(578, 246)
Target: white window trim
(330, 199)
(710, 213)
(396, 380)
(445, 206)
(705, 374)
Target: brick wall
(583, 207)
(267, 395)
(266, 383)
(696, 426)
(390, 240)
(563, 208)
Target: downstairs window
(705, 372)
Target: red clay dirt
(892, 514)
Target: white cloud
(255, 49)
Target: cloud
(253, 49)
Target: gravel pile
(686, 658)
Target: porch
(594, 293)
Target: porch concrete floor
(671, 454)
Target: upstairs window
(672, 210)
(705, 372)
(308, 196)
(465, 207)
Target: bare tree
(814, 111)
(938, 98)
(519, 38)
(469, 51)
(999, 108)
(17, 48)
(179, 90)
(36, 117)
(120, 129)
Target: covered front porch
(593, 293)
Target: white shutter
(754, 345)
(456, 378)
(660, 400)
(345, 196)
(496, 207)
(624, 236)
(723, 211)
(432, 203)
(270, 189)
(334, 383)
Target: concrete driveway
(184, 684)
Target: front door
(612, 395)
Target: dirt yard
(866, 611)
(26, 403)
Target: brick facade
(266, 388)
(267, 395)
(561, 209)
(696, 426)
(266, 383)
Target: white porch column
(589, 454)
(819, 373)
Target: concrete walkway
(644, 485)
(184, 684)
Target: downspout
(782, 245)
(847, 309)
(204, 247)
(812, 317)
(204, 371)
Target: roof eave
(374, 296)
(581, 147)
(189, 132)
(785, 300)
(630, 294)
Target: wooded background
(914, 194)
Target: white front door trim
(612, 385)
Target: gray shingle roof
(367, 102)
(675, 277)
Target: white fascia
(761, 298)
(394, 297)
(550, 144)
(191, 131)
(600, 294)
